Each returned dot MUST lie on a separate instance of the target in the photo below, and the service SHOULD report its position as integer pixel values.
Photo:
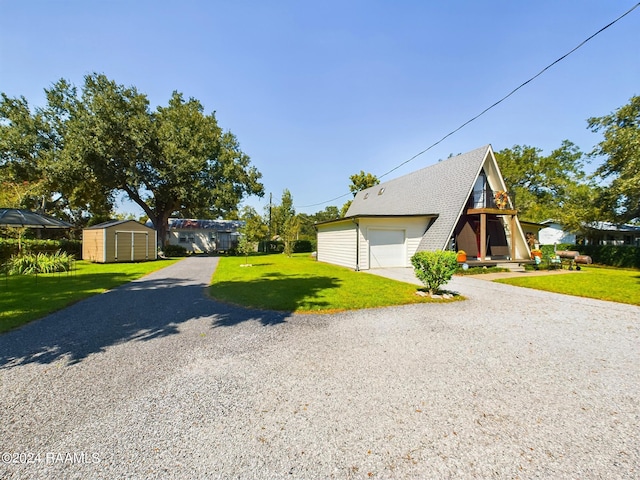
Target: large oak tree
(32, 147)
(106, 140)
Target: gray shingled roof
(441, 189)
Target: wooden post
(483, 235)
(512, 227)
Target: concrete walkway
(154, 380)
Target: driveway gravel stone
(154, 380)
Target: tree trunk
(162, 228)
(160, 220)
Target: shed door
(386, 248)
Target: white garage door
(386, 248)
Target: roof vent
(366, 195)
(381, 191)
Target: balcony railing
(482, 199)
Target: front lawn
(302, 284)
(614, 284)
(24, 297)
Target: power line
(493, 105)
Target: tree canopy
(284, 221)
(253, 231)
(548, 186)
(359, 181)
(621, 149)
(105, 140)
(362, 180)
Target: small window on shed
(381, 191)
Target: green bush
(29, 263)
(174, 251)
(624, 256)
(271, 246)
(10, 246)
(548, 250)
(434, 269)
(302, 246)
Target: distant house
(605, 233)
(457, 204)
(119, 241)
(532, 229)
(553, 233)
(204, 235)
(596, 233)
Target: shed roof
(441, 189)
(111, 223)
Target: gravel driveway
(153, 380)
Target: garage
(386, 248)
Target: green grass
(24, 297)
(301, 284)
(613, 284)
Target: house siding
(195, 240)
(553, 233)
(201, 235)
(337, 243)
(93, 245)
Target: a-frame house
(456, 204)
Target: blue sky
(317, 91)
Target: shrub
(625, 256)
(271, 246)
(39, 263)
(245, 247)
(548, 250)
(302, 246)
(174, 251)
(9, 247)
(434, 269)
